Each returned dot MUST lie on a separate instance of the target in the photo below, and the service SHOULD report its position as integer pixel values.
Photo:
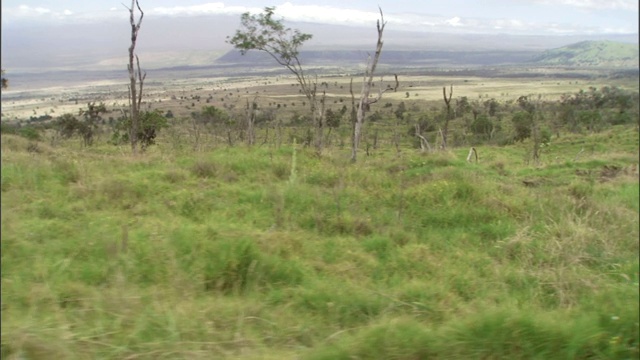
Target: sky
(517, 17)
(52, 35)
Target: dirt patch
(609, 172)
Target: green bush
(150, 123)
(27, 132)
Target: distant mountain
(593, 54)
(342, 58)
(200, 40)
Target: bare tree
(447, 101)
(365, 100)
(424, 143)
(250, 112)
(136, 77)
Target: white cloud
(46, 15)
(327, 14)
(338, 15)
(202, 9)
(287, 10)
(510, 24)
(455, 22)
(595, 4)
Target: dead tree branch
(136, 78)
(472, 151)
(365, 100)
(424, 143)
(447, 101)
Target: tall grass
(277, 253)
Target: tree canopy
(264, 33)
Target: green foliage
(333, 118)
(29, 132)
(6, 128)
(522, 122)
(68, 125)
(492, 106)
(462, 106)
(150, 123)
(482, 125)
(91, 121)
(262, 32)
(597, 108)
(400, 111)
(214, 116)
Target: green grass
(248, 254)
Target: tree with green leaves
(150, 123)
(68, 124)
(262, 32)
(482, 126)
(92, 116)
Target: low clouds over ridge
(484, 23)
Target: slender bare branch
(365, 100)
(135, 77)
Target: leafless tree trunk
(319, 120)
(424, 143)
(447, 101)
(278, 130)
(396, 135)
(472, 152)
(353, 115)
(196, 134)
(365, 101)
(135, 76)
(251, 118)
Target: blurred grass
(224, 255)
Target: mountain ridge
(603, 53)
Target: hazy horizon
(48, 35)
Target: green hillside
(592, 53)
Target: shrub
(522, 122)
(150, 123)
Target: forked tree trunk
(135, 77)
(447, 101)
(365, 101)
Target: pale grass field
(278, 89)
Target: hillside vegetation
(272, 252)
(593, 53)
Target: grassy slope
(234, 254)
(593, 53)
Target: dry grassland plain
(183, 96)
